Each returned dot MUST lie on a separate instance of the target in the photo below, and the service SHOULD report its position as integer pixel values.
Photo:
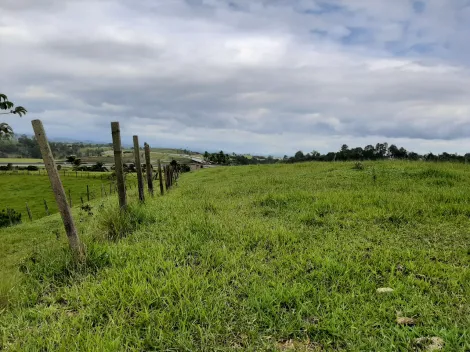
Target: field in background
(278, 257)
(164, 154)
(20, 160)
(34, 188)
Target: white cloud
(254, 76)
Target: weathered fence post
(160, 176)
(46, 207)
(138, 166)
(29, 212)
(58, 189)
(87, 193)
(116, 133)
(165, 173)
(148, 168)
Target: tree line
(380, 151)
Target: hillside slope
(280, 257)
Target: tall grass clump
(113, 223)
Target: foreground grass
(257, 258)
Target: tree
(299, 155)
(71, 158)
(9, 107)
(369, 152)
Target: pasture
(258, 258)
(19, 189)
(20, 161)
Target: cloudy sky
(269, 77)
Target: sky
(245, 76)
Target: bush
(185, 168)
(32, 168)
(358, 166)
(9, 217)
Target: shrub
(358, 166)
(32, 168)
(9, 217)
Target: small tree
(9, 107)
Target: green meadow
(257, 258)
(19, 189)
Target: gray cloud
(247, 75)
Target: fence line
(166, 174)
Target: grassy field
(19, 160)
(259, 258)
(34, 188)
(163, 154)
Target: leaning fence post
(116, 133)
(138, 166)
(46, 207)
(29, 212)
(58, 189)
(160, 176)
(148, 168)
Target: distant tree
(369, 152)
(221, 157)
(381, 150)
(393, 151)
(9, 108)
(315, 154)
(77, 161)
(206, 155)
(299, 155)
(71, 158)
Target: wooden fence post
(81, 198)
(165, 174)
(87, 193)
(29, 212)
(58, 189)
(138, 166)
(160, 176)
(46, 207)
(116, 133)
(148, 168)
(102, 190)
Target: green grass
(258, 258)
(34, 188)
(20, 160)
